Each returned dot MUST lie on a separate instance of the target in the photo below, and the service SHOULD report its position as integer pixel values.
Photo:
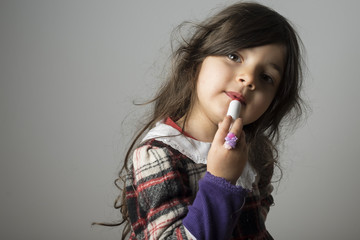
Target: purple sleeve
(215, 210)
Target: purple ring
(230, 141)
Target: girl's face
(252, 75)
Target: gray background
(70, 70)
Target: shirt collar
(190, 147)
(194, 149)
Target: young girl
(180, 181)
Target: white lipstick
(234, 109)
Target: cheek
(213, 73)
(200, 88)
(262, 103)
(208, 86)
(267, 101)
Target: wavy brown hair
(239, 26)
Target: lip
(236, 96)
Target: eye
(267, 78)
(234, 57)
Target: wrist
(226, 174)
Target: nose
(248, 80)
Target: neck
(198, 127)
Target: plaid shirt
(162, 183)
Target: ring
(230, 141)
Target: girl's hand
(225, 163)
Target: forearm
(215, 210)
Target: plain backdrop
(70, 71)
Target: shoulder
(154, 158)
(153, 151)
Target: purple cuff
(215, 209)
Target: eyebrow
(277, 68)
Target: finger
(242, 139)
(222, 130)
(237, 127)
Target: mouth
(236, 96)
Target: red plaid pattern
(160, 185)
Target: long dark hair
(239, 26)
